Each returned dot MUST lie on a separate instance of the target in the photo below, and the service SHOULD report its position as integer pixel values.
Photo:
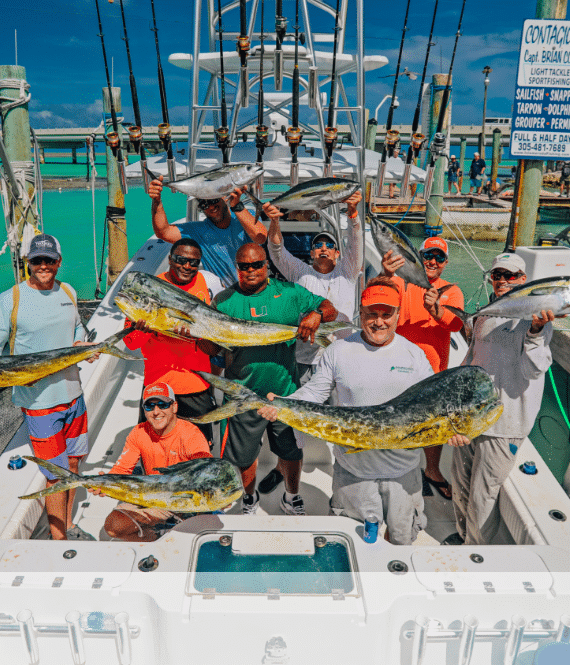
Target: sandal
(270, 482)
(438, 485)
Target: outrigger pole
(392, 136)
(280, 32)
(135, 131)
(294, 133)
(417, 140)
(331, 131)
(243, 49)
(223, 132)
(164, 131)
(440, 139)
(113, 139)
(261, 129)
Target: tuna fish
(462, 400)
(27, 368)
(166, 308)
(198, 486)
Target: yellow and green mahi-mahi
(462, 400)
(167, 308)
(198, 486)
(27, 368)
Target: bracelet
(319, 311)
(353, 216)
(239, 206)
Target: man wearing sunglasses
(516, 354)
(160, 441)
(426, 322)
(37, 315)
(267, 368)
(228, 225)
(175, 361)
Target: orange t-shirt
(171, 360)
(183, 443)
(417, 325)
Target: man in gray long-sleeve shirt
(516, 354)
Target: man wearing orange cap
(369, 368)
(426, 322)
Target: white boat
(270, 588)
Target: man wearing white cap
(516, 354)
(452, 175)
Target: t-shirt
(366, 375)
(477, 166)
(183, 443)
(453, 167)
(417, 325)
(173, 361)
(219, 246)
(272, 367)
(46, 320)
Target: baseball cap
(512, 262)
(324, 234)
(380, 295)
(44, 245)
(156, 390)
(435, 243)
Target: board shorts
(396, 501)
(452, 176)
(476, 182)
(159, 519)
(58, 433)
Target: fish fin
(326, 329)
(256, 202)
(108, 346)
(225, 385)
(443, 289)
(156, 177)
(354, 450)
(58, 471)
(69, 480)
(547, 290)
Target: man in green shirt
(264, 369)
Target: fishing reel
(417, 143)
(294, 137)
(261, 137)
(391, 140)
(164, 132)
(330, 137)
(223, 137)
(438, 144)
(281, 27)
(243, 45)
(135, 137)
(113, 141)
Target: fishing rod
(223, 132)
(417, 139)
(113, 139)
(243, 46)
(392, 136)
(280, 32)
(294, 133)
(164, 131)
(440, 139)
(261, 129)
(135, 131)
(330, 137)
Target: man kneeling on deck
(368, 368)
(163, 440)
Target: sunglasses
(497, 275)
(149, 406)
(328, 245)
(209, 202)
(438, 256)
(38, 260)
(183, 260)
(256, 265)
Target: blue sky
(58, 44)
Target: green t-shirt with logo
(270, 368)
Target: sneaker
(296, 507)
(270, 482)
(250, 503)
(453, 539)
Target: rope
(11, 103)
(112, 214)
(39, 186)
(91, 148)
(559, 401)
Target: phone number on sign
(544, 148)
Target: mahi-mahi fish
(198, 486)
(27, 368)
(216, 183)
(462, 400)
(166, 308)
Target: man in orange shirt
(424, 321)
(174, 361)
(162, 440)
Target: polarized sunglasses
(183, 260)
(207, 203)
(149, 406)
(438, 256)
(256, 265)
(509, 276)
(38, 260)
(320, 243)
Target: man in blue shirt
(228, 226)
(476, 173)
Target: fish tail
(326, 329)
(256, 202)
(108, 346)
(69, 480)
(241, 399)
(443, 289)
(465, 317)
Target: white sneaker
(296, 507)
(250, 503)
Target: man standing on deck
(368, 368)
(221, 234)
(516, 354)
(37, 315)
(426, 322)
(262, 368)
(477, 173)
(452, 175)
(327, 277)
(175, 361)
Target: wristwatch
(239, 206)
(319, 311)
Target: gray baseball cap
(44, 245)
(324, 234)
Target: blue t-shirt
(219, 246)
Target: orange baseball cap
(380, 295)
(435, 243)
(158, 390)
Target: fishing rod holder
(113, 141)
(417, 142)
(135, 137)
(164, 133)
